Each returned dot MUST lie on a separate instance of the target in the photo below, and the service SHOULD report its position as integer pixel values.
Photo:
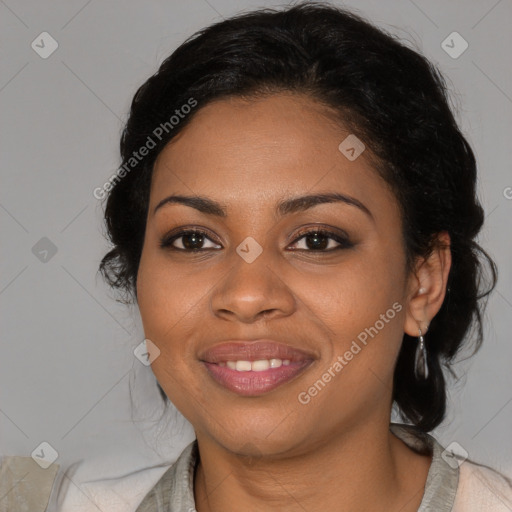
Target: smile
(249, 382)
(254, 368)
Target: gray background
(67, 363)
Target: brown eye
(191, 240)
(322, 241)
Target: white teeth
(255, 366)
(259, 366)
(243, 366)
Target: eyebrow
(286, 207)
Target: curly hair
(389, 95)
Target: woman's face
(332, 304)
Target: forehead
(258, 150)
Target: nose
(251, 291)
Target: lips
(254, 351)
(276, 364)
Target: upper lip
(253, 351)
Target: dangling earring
(420, 359)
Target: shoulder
(113, 494)
(482, 488)
(456, 484)
(143, 489)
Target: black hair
(387, 94)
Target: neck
(367, 468)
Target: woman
(295, 217)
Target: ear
(427, 286)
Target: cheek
(168, 305)
(353, 294)
(361, 305)
(163, 308)
(166, 296)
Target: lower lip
(255, 383)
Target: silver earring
(420, 359)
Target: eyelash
(344, 242)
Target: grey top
(174, 492)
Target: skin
(272, 452)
